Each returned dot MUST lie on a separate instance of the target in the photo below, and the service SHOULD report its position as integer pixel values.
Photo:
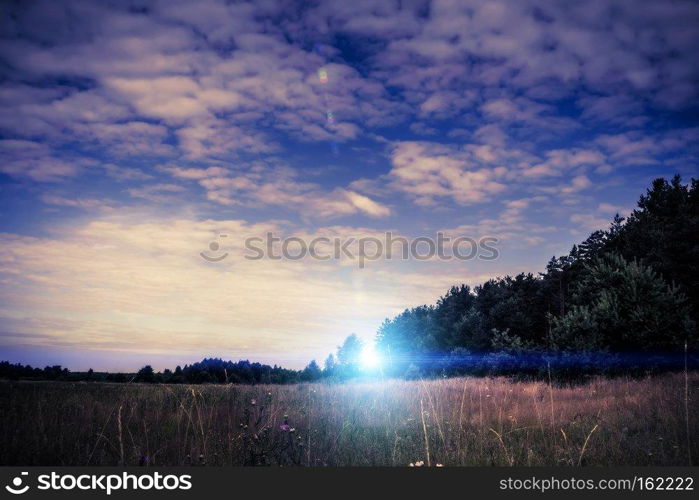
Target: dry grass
(461, 421)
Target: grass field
(460, 421)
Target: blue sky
(133, 133)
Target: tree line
(625, 300)
(208, 370)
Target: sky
(133, 135)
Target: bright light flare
(370, 358)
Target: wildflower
(285, 427)
(253, 402)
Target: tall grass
(460, 421)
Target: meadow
(449, 422)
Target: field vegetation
(450, 422)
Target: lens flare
(370, 358)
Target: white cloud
(589, 222)
(266, 185)
(429, 171)
(559, 161)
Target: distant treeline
(624, 301)
(211, 370)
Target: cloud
(621, 109)
(33, 160)
(226, 82)
(83, 203)
(445, 104)
(526, 112)
(610, 209)
(589, 222)
(216, 138)
(367, 205)
(158, 193)
(210, 96)
(559, 161)
(577, 183)
(603, 45)
(429, 171)
(637, 148)
(123, 174)
(266, 185)
(170, 98)
(133, 138)
(126, 286)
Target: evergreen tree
(349, 355)
(146, 375)
(623, 305)
(329, 366)
(312, 372)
